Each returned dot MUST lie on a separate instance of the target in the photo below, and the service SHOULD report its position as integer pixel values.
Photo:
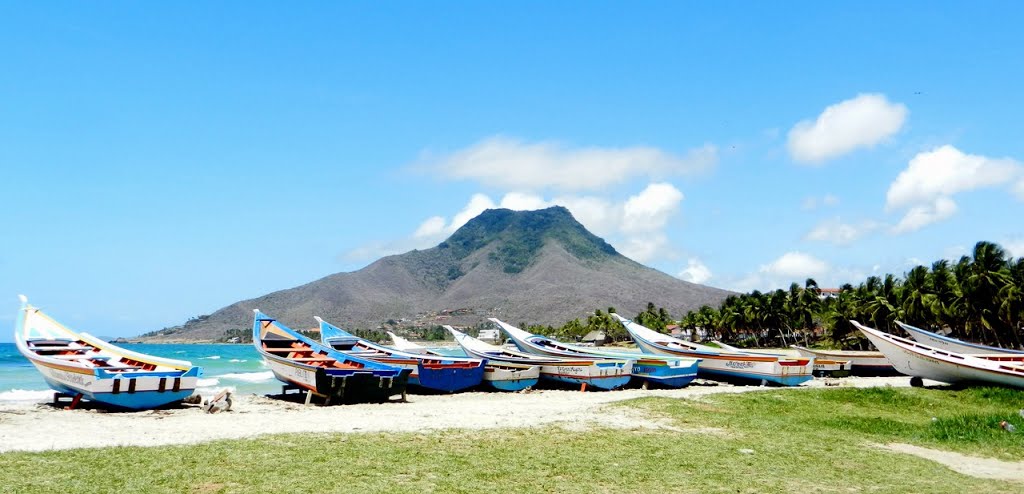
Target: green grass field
(802, 441)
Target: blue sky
(162, 161)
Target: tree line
(979, 297)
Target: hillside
(539, 267)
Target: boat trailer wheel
(916, 382)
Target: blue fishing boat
(432, 372)
(501, 376)
(85, 367)
(648, 370)
(334, 376)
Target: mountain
(539, 267)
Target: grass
(802, 440)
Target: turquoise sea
(236, 367)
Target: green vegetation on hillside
(778, 441)
(522, 235)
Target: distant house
(828, 293)
(489, 335)
(595, 337)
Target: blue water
(236, 367)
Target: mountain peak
(518, 237)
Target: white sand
(37, 427)
(983, 468)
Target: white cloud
(636, 225)
(813, 202)
(923, 215)
(477, 204)
(512, 164)
(946, 171)
(433, 225)
(695, 271)
(861, 122)
(644, 248)
(650, 209)
(519, 201)
(600, 216)
(1014, 247)
(796, 265)
(926, 188)
(835, 231)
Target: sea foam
(26, 395)
(252, 377)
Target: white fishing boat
(601, 374)
(926, 362)
(85, 367)
(823, 367)
(952, 344)
(658, 370)
(717, 364)
(502, 376)
(862, 363)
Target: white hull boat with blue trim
(83, 366)
(715, 364)
(658, 370)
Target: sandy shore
(37, 427)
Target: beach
(33, 426)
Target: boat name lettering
(71, 377)
(737, 364)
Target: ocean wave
(213, 381)
(237, 360)
(252, 377)
(211, 357)
(26, 395)
(208, 392)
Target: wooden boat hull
(733, 367)
(508, 377)
(599, 374)
(448, 378)
(338, 377)
(430, 372)
(670, 372)
(919, 360)
(129, 391)
(341, 387)
(865, 364)
(952, 344)
(832, 368)
(79, 364)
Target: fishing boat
(600, 374)
(926, 362)
(498, 375)
(85, 367)
(862, 363)
(657, 370)
(334, 376)
(823, 367)
(952, 344)
(716, 364)
(430, 372)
